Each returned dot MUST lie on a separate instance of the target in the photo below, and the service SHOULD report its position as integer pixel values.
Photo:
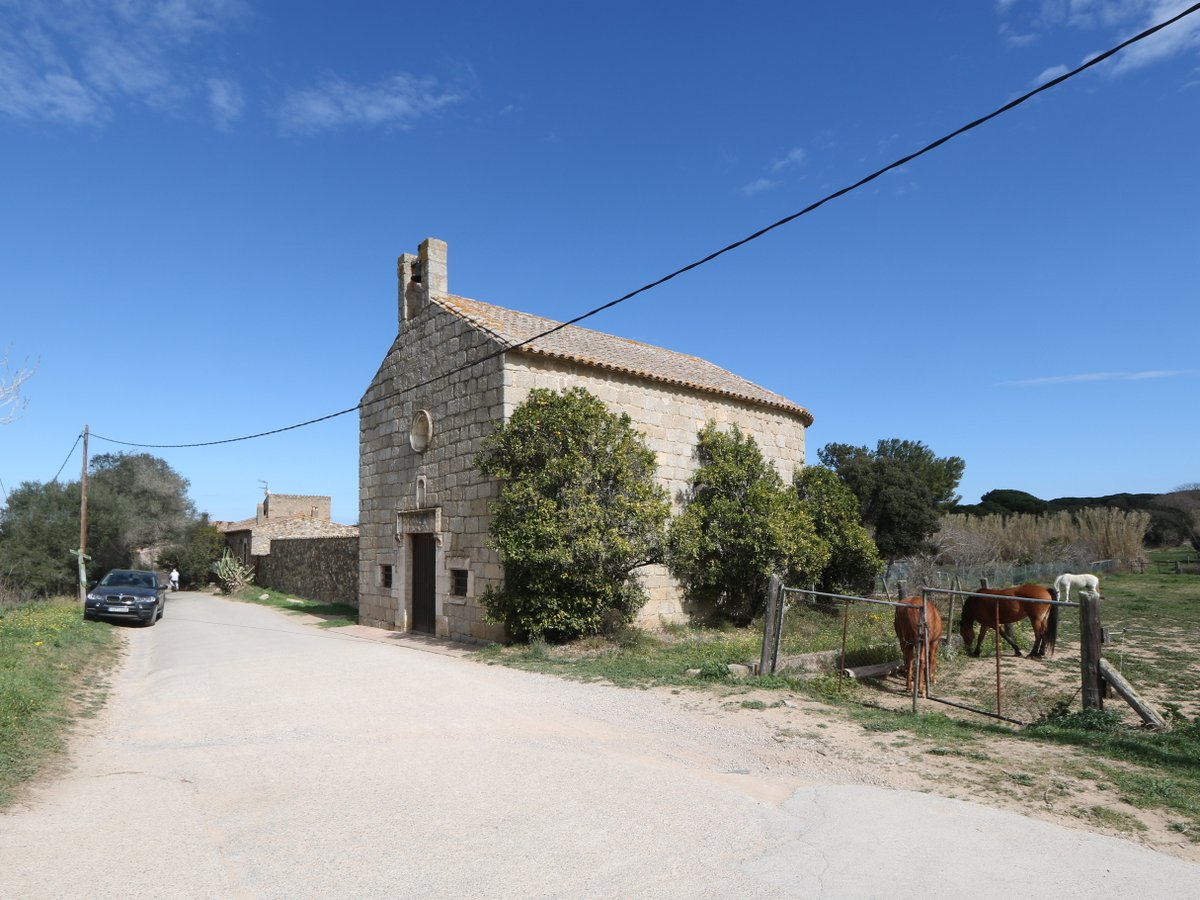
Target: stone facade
(281, 516)
(323, 569)
(286, 506)
(453, 371)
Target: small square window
(385, 576)
(458, 582)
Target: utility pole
(83, 509)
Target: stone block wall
(324, 569)
(405, 490)
(284, 506)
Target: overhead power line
(78, 438)
(1012, 104)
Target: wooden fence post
(772, 626)
(1089, 650)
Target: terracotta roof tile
(606, 351)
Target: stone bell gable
(458, 366)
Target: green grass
(635, 658)
(812, 628)
(1111, 818)
(336, 615)
(49, 660)
(1171, 554)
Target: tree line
(137, 506)
(1173, 518)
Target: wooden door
(423, 558)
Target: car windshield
(127, 579)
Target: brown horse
(1019, 603)
(908, 630)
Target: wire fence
(855, 637)
(911, 575)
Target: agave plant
(232, 575)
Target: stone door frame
(427, 520)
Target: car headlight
(94, 598)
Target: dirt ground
(1044, 781)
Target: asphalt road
(246, 754)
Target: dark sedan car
(130, 594)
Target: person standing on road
(174, 579)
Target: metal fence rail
(773, 628)
(927, 591)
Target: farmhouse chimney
(419, 277)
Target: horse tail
(1051, 629)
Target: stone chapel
(458, 366)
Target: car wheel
(162, 608)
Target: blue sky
(202, 205)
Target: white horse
(1064, 583)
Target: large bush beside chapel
(579, 511)
(742, 523)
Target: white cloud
(56, 95)
(1102, 376)
(1024, 23)
(78, 62)
(1182, 37)
(395, 102)
(225, 101)
(794, 157)
(1050, 74)
(758, 186)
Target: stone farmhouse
(294, 546)
(459, 366)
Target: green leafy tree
(742, 523)
(38, 529)
(853, 558)
(579, 511)
(194, 557)
(149, 497)
(902, 487)
(134, 501)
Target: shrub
(853, 559)
(231, 574)
(195, 558)
(741, 525)
(579, 511)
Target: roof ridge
(565, 325)
(585, 345)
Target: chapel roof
(525, 332)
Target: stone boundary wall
(322, 568)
